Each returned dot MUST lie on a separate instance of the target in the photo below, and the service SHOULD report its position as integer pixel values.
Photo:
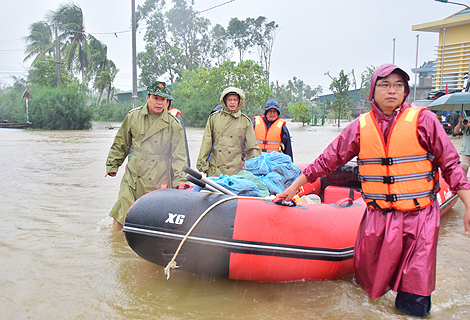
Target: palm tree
(40, 42)
(104, 69)
(72, 31)
(99, 55)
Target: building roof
(457, 19)
(355, 94)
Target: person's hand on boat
(183, 186)
(291, 191)
(111, 174)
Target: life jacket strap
(391, 161)
(398, 197)
(393, 179)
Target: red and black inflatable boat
(252, 238)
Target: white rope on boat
(172, 263)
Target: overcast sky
(315, 36)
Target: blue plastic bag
(274, 162)
(274, 182)
(241, 187)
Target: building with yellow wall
(453, 51)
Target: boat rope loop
(172, 263)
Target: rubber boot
(413, 304)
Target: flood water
(60, 257)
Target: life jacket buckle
(387, 161)
(391, 197)
(389, 179)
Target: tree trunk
(99, 98)
(109, 93)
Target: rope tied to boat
(172, 264)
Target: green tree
(366, 75)
(240, 32)
(104, 70)
(115, 112)
(340, 87)
(264, 35)
(71, 25)
(300, 112)
(12, 106)
(39, 42)
(175, 40)
(294, 91)
(59, 108)
(101, 83)
(221, 50)
(199, 91)
(43, 73)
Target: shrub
(59, 109)
(12, 106)
(115, 111)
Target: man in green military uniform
(229, 138)
(158, 155)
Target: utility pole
(134, 58)
(416, 66)
(393, 60)
(57, 56)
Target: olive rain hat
(160, 89)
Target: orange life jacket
(174, 112)
(268, 140)
(398, 175)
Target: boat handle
(345, 202)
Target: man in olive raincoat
(228, 137)
(158, 155)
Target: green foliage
(221, 50)
(44, 73)
(80, 52)
(264, 33)
(295, 91)
(340, 86)
(77, 54)
(177, 39)
(12, 106)
(366, 75)
(104, 70)
(197, 108)
(318, 108)
(300, 111)
(199, 91)
(114, 112)
(240, 32)
(59, 109)
(39, 41)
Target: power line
(219, 5)
(10, 50)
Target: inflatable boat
(254, 239)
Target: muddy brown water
(60, 257)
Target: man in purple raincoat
(395, 249)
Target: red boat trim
(257, 248)
(448, 202)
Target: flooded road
(60, 257)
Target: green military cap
(159, 88)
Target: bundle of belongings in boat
(270, 173)
(265, 175)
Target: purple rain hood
(385, 70)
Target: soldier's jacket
(228, 136)
(158, 155)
